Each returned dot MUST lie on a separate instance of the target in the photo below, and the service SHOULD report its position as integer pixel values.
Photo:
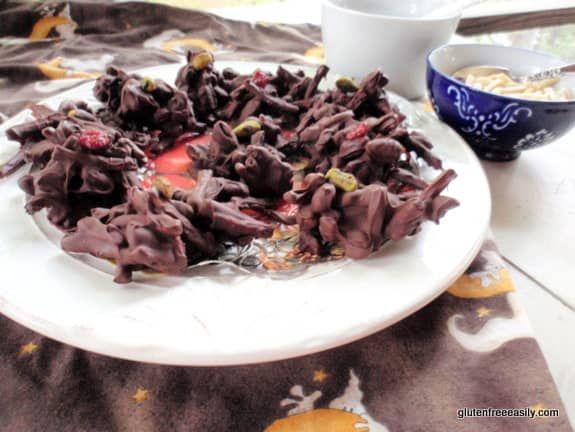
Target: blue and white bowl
(497, 127)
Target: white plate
(234, 318)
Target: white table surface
(533, 222)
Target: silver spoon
(489, 70)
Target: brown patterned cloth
(472, 347)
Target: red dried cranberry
(94, 139)
(260, 78)
(359, 131)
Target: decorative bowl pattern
(496, 127)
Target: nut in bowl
(496, 122)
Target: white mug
(394, 36)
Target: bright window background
(557, 40)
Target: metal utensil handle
(551, 73)
(567, 68)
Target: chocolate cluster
(165, 231)
(233, 97)
(77, 163)
(154, 111)
(360, 221)
(243, 154)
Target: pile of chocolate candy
(343, 156)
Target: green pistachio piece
(345, 181)
(202, 60)
(148, 84)
(247, 128)
(337, 251)
(346, 84)
(163, 186)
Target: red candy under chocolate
(174, 164)
(172, 161)
(360, 131)
(176, 159)
(93, 139)
(260, 79)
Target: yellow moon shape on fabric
(320, 420)
(472, 287)
(316, 54)
(53, 70)
(43, 26)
